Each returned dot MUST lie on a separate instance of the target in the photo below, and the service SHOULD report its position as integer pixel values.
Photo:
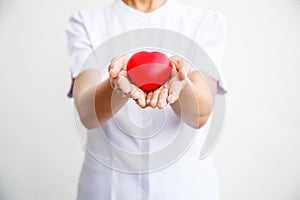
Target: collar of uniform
(135, 14)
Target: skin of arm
(191, 95)
(93, 100)
(193, 102)
(196, 99)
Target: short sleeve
(212, 37)
(79, 44)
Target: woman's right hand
(120, 82)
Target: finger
(139, 96)
(114, 70)
(136, 93)
(182, 69)
(162, 99)
(182, 66)
(154, 98)
(149, 97)
(117, 64)
(175, 90)
(174, 72)
(171, 98)
(178, 69)
(142, 101)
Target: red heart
(149, 70)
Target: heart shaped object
(149, 70)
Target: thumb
(182, 67)
(117, 64)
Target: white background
(258, 157)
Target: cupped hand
(170, 91)
(120, 82)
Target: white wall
(258, 155)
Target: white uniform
(188, 178)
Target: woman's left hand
(170, 91)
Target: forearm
(107, 102)
(95, 104)
(195, 102)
